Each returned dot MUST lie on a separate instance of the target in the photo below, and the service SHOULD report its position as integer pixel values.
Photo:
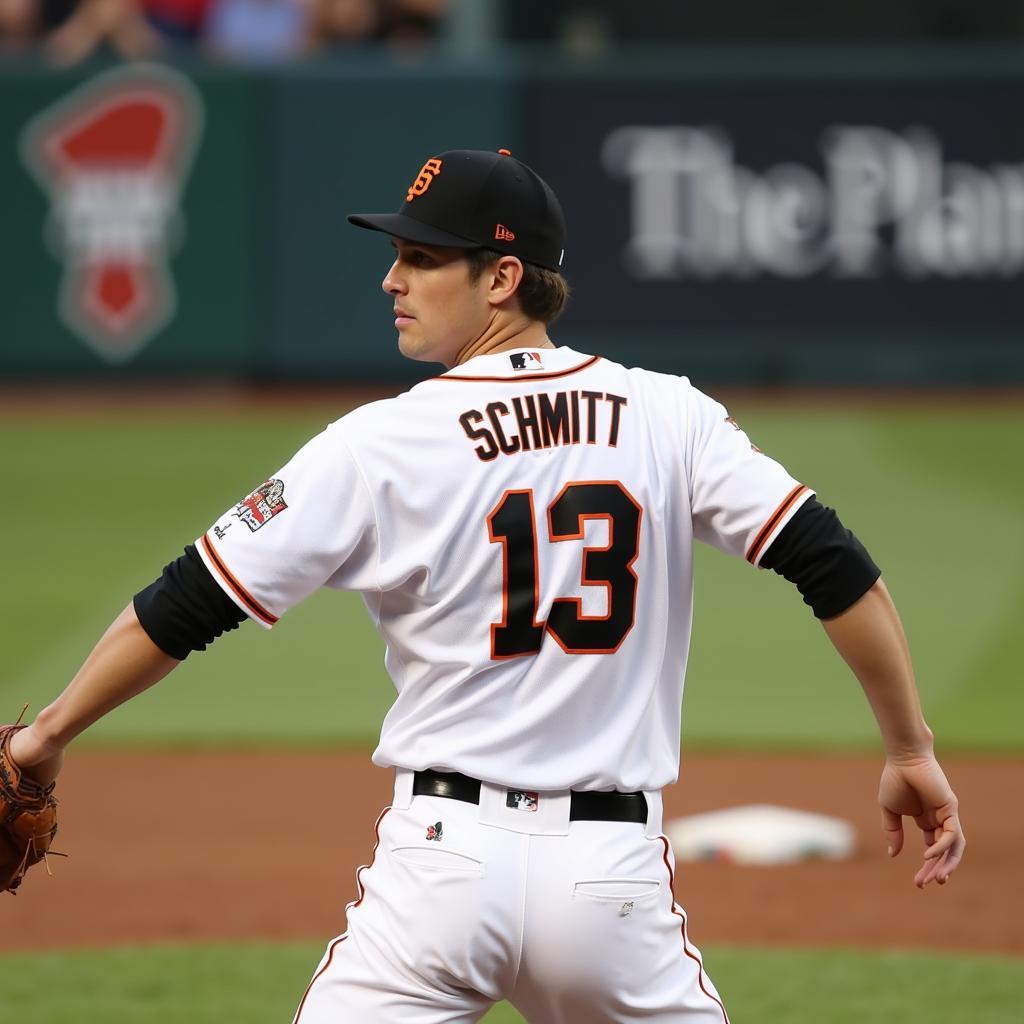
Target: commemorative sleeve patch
(262, 505)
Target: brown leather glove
(28, 817)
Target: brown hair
(542, 293)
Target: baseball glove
(28, 817)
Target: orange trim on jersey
(361, 892)
(532, 376)
(682, 931)
(754, 552)
(241, 593)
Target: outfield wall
(745, 215)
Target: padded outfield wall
(759, 216)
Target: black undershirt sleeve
(825, 561)
(184, 609)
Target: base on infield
(760, 834)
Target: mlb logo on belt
(113, 157)
(520, 800)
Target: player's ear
(505, 274)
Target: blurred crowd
(65, 32)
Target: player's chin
(408, 346)
(413, 345)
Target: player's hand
(916, 787)
(38, 758)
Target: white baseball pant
(573, 922)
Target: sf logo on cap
(423, 179)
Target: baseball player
(521, 528)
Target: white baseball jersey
(521, 529)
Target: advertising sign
(798, 206)
(113, 157)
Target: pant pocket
(617, 889)
(434, 859)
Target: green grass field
(262, 984)
(96, 506)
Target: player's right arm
(870, 638)
(733, 487)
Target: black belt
(584, 805)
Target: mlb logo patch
(520, 800)
(526, 361)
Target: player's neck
(504, 333)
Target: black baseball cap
(473, 198)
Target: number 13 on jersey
(512, 524)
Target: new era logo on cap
(502, 234)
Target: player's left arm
(183, 610)
(324, 532)
(123, 663)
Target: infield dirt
(213, 846)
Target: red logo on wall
(113, 156)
